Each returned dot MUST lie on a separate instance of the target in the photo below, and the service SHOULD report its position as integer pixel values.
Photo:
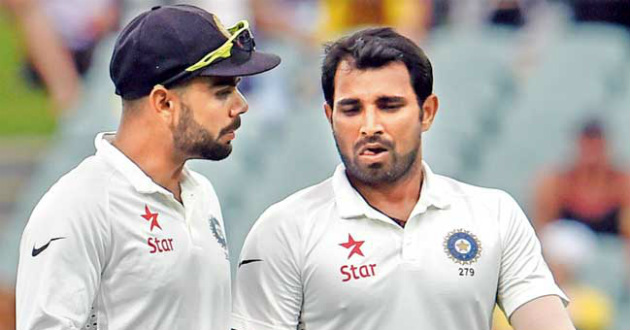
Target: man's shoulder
(481, 202)
(202, 181)
(309, 197)
(78, 195)
(301, 204)
(290, 217)
(460, 190)
(85, 183)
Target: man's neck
(154, 158)
(395, 199)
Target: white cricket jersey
(326, 258)
(107, 248)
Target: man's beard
(396, 167)
(192, 139)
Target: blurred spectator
(476, 13)
(411, 18)
(287, 26)
(7, 309)
(81, 25)
(60, 36)
(281, 19)
(508, 12)
(230, 11)
(610, 11)
(297, 28)
(337, 17)
(590, 190)
(568, 247)
(46, 51)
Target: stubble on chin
(381, 172)
(196, 142)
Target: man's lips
(231, 129)
(372, 149)
(231, 135)
(373, 153)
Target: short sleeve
(62, 254)
(524, 275)
(268, 290)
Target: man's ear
(429, 110)
(162, 102)
(329, 111)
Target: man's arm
(543, 313)
(268, 288)
(524, 276)
(62, 255)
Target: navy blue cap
(162, 42)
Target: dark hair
(592, 128)
(374, 48)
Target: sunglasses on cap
(240, 36)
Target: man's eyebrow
(225, 81)
(391, 99)
(343, 102)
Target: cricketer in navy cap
(132, 238)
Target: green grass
(24, 111)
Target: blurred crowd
(60, 35)
(577, 207)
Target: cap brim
(257, 63)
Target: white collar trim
(138, 179)
(352, 205)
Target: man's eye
(350, 111)
(391, 106)
(224, 93)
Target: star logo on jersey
(148, 216)
(355, 245)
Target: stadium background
(514, 86)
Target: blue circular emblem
(462, 247)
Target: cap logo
(220, 26)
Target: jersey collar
(352, 205)
(127, 168)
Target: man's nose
(240, 106)
(371, 124)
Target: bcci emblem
(462, 247)
(217, 232)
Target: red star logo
(151, 217)
(357, 246)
